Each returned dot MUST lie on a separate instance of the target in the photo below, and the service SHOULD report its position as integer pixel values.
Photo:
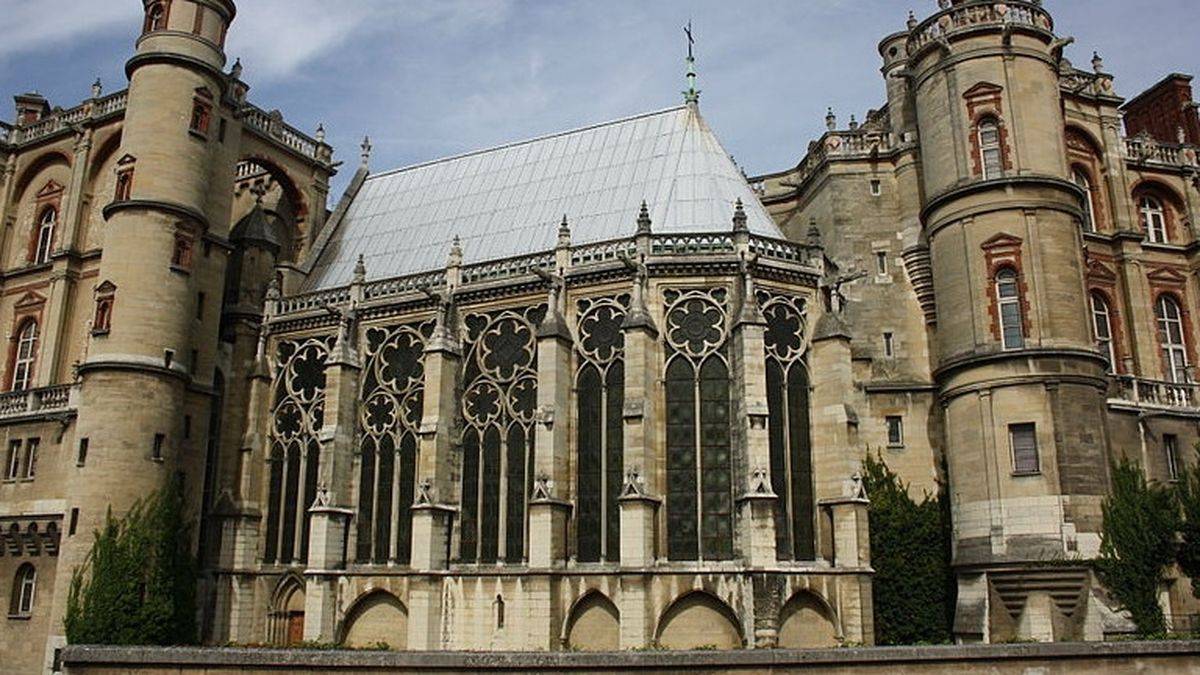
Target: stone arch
(593, 624)
(1083, 141)
(104, 151)
(287, 611)
(294, 205)
(807, 622)
(699, 620)
(35, 167)
(376, 618)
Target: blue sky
(430, 78)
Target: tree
(1137, 543)
(914, 587)
(138, 583)
(1188, 555)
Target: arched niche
(287, 625)
(376, 619)
(699, 620)
(806, 623)
(594, 625)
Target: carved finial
(853, 123)
(97, 88)
(643, 221)
(739, 217)
(366, 151)
(236, 71)
(321, 133)
(543, 488)
(814, 234)
(273, 290)
(634, 485)
(1097, 62)
(424, 492)
(360, 270)
(564, 233)
(912, 20)
(830, 120)
(456, 253)
(692, 95)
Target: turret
(147, 384)
(1021, 382)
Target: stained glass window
(600, 397)
(499, 404)
(297, 417)
(393, 398)
(788, 409)
(699, 462)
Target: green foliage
(1138, 542)
(138, 584)
(914, 587)
(1188, 556)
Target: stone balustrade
(976, 15)
(271, 124)
(47, 399)
(1144, 149)
(1144, 392)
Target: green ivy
(914, 586)
(1188, 556)
(138, 583)
(1137, 544)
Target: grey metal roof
(509, 201)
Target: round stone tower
(147, 380)
(1020, 379)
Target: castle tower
(1021, 382)
(147, 382)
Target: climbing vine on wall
(914, 586)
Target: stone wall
(1048, 659)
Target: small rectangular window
(74, 524)
(895, 431)
(221, 130)
(31, 457)
(157, 452)
(12, 463)
(1023, 438)
(889, 345)
(194, 360)
(81, 459)
(1171, 448)
(124, 186)
(201, 116)
(200, 297)
(876, 188)
(187, 426)
(881, 262)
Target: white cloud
(29, 26)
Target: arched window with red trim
(24, 355)
(991, 149)
(44, 235)
(1154, 219)
(1169, 315)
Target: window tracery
(297, 417)
(785, 344)
(392, 397)
(499, 404)
(699, 462)
(600, 400)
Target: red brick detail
(1114, 320)
(986, 101)
(1171, 281)
(28, 309)
(1162, 110)
(1084, 154)
(1001, 252)
(106, 295)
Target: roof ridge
(536, 139)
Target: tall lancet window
(499, 402)
(600, 398)
(699, 463)
(393, 380)
(788, 406)
(297, 417)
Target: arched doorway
(806, 623)
(287, 625)
(377, 620)
(698, 620)
(594, 625)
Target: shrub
(138, 583)
(1188, 556)
(914, 587)
(1138, 542)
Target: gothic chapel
(597, 389)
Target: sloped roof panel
(509, 201)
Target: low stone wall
(1146, 658)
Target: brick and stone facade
(644, 437)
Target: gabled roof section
(510, 200)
